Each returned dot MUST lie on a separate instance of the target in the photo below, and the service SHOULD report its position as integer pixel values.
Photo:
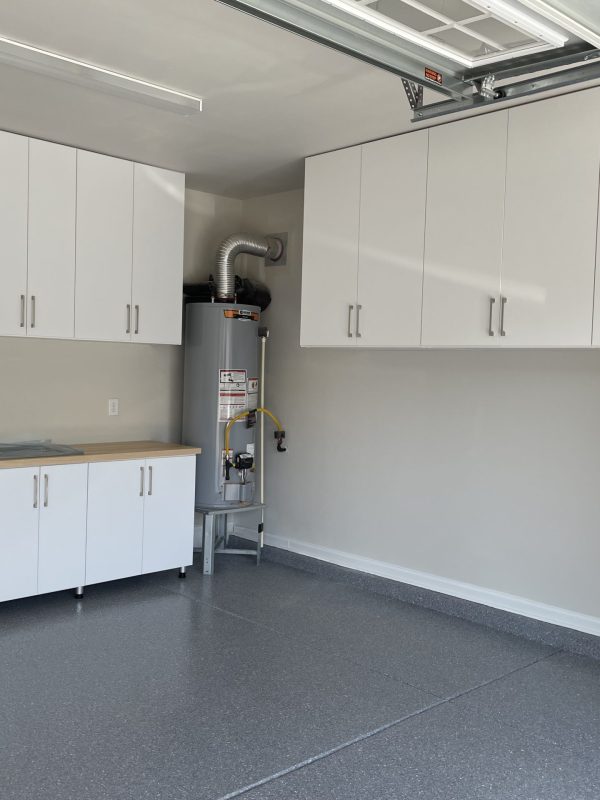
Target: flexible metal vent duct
(230, 248)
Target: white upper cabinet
(330, 252)
(14, 158)
(551, 220)
(73, 260)
(104, 247)
(463, 240)
(390, 253)
(51, 240)
(158, 211)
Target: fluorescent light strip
(506, 12)
(27, 56)
(566, 22)
(372, 17)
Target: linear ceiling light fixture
(25, 56)
(546, 36)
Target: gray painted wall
(481, 467)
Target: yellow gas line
(243, 414)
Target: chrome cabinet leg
(79, 592)
(182, 572)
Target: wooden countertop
(106, 451)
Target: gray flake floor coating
(270, 683)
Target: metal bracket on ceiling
(414, 94)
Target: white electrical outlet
(113, 408)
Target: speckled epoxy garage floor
(270, 683)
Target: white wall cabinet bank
(91, 247)
(494, 217)
(65, 526)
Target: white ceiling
(270, 98)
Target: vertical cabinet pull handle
(149, 480)
(350, 310)
(137, 319)
(490, 329)
(358, 333)
(503, 302)
(22, 323)
(33, 311)
(35, 491)
(141, 481)
(45, 491)
(128, 329)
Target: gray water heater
(221, 379)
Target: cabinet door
(63, 503)
(103, 249)
(551, 220)
(14, 157)
(19, 514)
(115, 520)
(392, 227)
(330, 252)
(51, 261)
(463, 238)
(169, 513)
(158, 197)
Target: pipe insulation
(232, 247)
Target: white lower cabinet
(19, 515)
(115, 526)
(140, 517)
(168, 513)
(63, 505)
(70, 525)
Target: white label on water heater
(233, 393)
(252, 392)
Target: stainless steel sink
(36, 450)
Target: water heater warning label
(233, 393)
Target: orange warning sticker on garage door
(433, 75)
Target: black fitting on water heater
(280, 436)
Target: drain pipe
(228, 251)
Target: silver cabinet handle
(149, 480)
(358, 333)
(503, 302)
(35, 491)
(22, 324)
(128, 329)
(45, 491)
(350, 310)
(490, 329)
(141, 481)
(33, 311)
(137, 319)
